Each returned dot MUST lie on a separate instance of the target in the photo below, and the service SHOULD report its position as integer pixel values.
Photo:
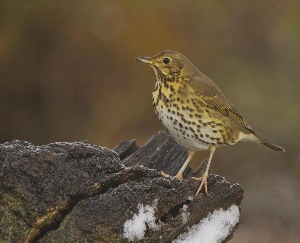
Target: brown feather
(211, 96)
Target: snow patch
(213, 229)
(185, 215)
(134, 229)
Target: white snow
(185, 215)
(213, 229)
(134, 229)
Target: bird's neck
(168, 91)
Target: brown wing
(211, 96)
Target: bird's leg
(204, 177)
(189, 158)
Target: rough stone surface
(82, 192)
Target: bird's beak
(144, 60)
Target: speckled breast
(191, 124)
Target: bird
(194, 110)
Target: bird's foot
(203, 180)
(165, 174)
(179, 176)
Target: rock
(82, 192)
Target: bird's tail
(269, 144)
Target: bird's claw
(164, 174)
(203, 180)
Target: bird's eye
(166, 60)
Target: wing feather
(211, 96)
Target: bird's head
(169, 65)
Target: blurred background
(68, 73)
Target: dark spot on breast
(197, 137)
(172, 88)
(192, 130)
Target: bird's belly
(187, 130)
